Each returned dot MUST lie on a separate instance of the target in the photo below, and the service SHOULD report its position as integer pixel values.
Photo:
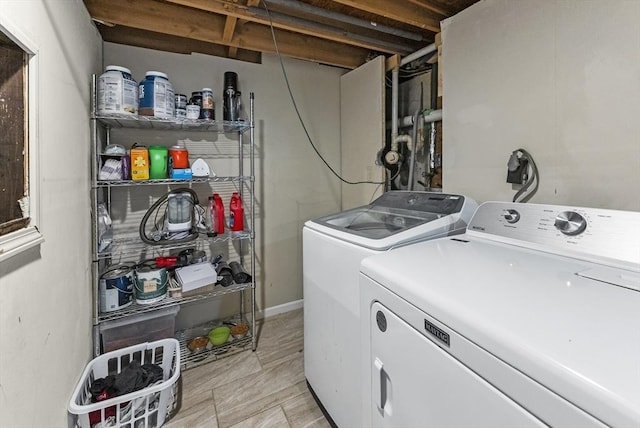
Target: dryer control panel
(589, 231)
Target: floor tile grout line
(292, 324)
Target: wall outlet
(520, 174)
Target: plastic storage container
(137, 329)
(217, 215)
(117, 91)
(208, 107)
(158, 162)
(236, 213)
(156, 97)
(146, 408)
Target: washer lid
(383, 223)
(578, 336)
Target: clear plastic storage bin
(141, 328)
(146, 408)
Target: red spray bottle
(236, 216)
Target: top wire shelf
(120, 120)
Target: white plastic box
(146, 408)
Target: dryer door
(415, 383)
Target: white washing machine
(333, 248)
(530, 318)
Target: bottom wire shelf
(211, 353)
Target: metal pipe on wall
(394, 99)
(414, 137)
(431, 166)
(313, 10)
(288, 19)
(418, 54)
(428, 117)
(394, 88)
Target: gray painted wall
(292, 184)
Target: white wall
(362, 132)
(45, 294)
(557, 78)
(292, 184)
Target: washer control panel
(511, 215)
(593, 231)
(570, 223)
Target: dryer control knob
(512, 216)
(570, 223)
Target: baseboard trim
(280, 309)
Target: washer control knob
(570, 223)
(512, 216)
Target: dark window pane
(12, 135)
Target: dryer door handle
(381, 388)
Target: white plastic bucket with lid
(117, 91)
(156, 97)
(150, 283)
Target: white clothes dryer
(333, 247)
(530, 318)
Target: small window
(18, 219)
(13, 162)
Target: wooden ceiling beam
(308, 48)
(401, 11)
(163, 17)
(225, 7)
(227, 34)
(229, 28)
(169, 43)
(433, 7)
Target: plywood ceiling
(343, 33)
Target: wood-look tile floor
(265, 388)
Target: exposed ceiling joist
(289, 23)
(175, 44)
(344, 33)
(227, 34)
(401, 11)
(302, 7)
(434, 7)
(164, 17)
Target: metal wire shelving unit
(130, 246)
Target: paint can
(150, 284)
(116, 288)
(117, 91)
(155, 94)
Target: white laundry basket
(145, 408)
